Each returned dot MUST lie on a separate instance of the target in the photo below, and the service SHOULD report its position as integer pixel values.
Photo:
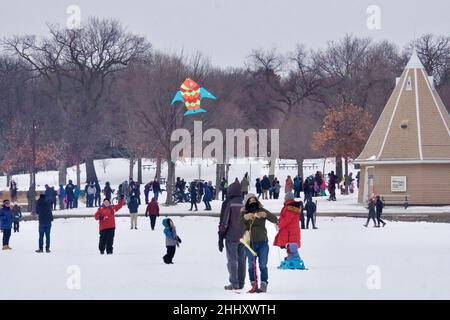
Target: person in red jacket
(153, 212)
(107, 223)
(288, 223)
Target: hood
(165, 223)
(234, 189)
(252, 195)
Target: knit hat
(248, 196)
(289, 196)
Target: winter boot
(254, 288)
(47, 250)
(5, 248)
(263, 287)
(39, 251)
(231, 287)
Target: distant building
(408, 152)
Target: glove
(249, 216)
(261, 214)
(220, 244)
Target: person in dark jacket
(17, 216)
(98, 191)
(6, 221)
(147, 188)
(231, 231)
(258, 187)
(107, 191)
(152, 211)
(133, 206)
(265, 186)
(379, 209)
(193, 194)
(70, 188)
(310, 208)
(156, 189)
(207, 196)
(332, 180)
(44, 212)
(371, 207)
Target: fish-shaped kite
(191, 94)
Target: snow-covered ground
(345, 261)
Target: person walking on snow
(152, 211)
(44, 212)
(207, 196)
(107, 191)
(258, 187)
(371, 207)
(97, 196)
(91, 195)
(288, 224)
(193, 194)
(6, 221)
(156, 189)
(133, 206)
(17, 216)
(231, 231)
(70, 188)
(107, 224)
(224, 188)
(254, 217)
(172, 240)
(379, 209)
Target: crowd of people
(242, 227)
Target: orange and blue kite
(191, 94)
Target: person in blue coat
(207, 196)
(62, 196)
(76, 195)
(6, 222)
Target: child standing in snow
(107, 224)
(17, 215)
(172, 240)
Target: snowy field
(410, 261)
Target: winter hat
(248, 196)
(289, 196)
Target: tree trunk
(62, 172)
(158, 168)
(339, 168)
(300, 167)
(139, 172)
(8, 179)
(346, 166)
(78, 175)
(91, 175)
(31, 197)
(131, 169)
(170, 180)
(218, 179)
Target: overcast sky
(226, 30)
